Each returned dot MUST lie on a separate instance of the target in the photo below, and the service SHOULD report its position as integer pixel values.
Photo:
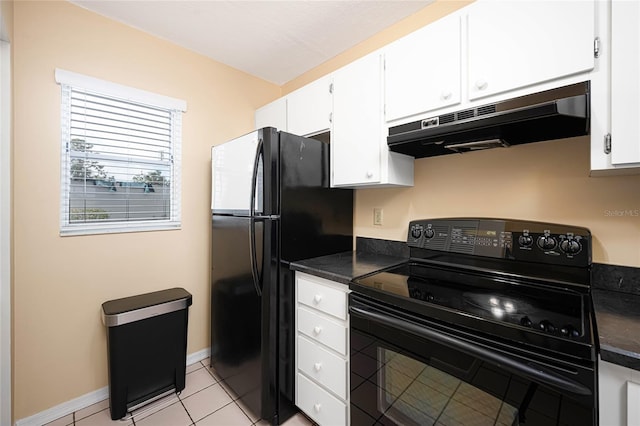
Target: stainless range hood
(552, 114)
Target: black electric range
(489, 322)
(522, 281)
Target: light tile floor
(205, 401)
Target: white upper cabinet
(615, 106)
(273, 114)
(625, 82)
(359, 152)
(422, 70)
(514, 44)
(309, 108)
(357, 116)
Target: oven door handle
(529, 369)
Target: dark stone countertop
(615, 292)
(618, 324)
(343, 267)
(616, 301)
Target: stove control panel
(505, 239)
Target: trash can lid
(134, 308)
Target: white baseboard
(86, 400)
(198, 356)
(65, 408)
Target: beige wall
(6, 36)
(60, 283)
(546, 181)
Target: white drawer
(322, 366)
(326, 299)
(323, 408)
(323, 330)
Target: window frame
(69, 80)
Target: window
(120, 157)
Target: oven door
(410, 371)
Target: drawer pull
(317, 298)
(317, 366)
(317, 330)
(317, 407)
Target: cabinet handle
(446, 96)
(482, 84)
(317, 330)
(317, 366)
(317, 298)
(369, 174)
(317, 407)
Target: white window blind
(120, 163)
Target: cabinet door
(309, 108)
(357, 122)
(273, 114)
(422, 70)
(614, 382)
(625, 82)
(513, 44)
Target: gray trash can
(146, 347)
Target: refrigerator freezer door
(232, 281)
(242, 350)
(232, 176)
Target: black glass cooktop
(527, 311)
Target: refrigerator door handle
(254, 178)
(257, 279)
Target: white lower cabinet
(618, 395)
(322, 350)
(323, 330)
(322, 366)
(320, 405)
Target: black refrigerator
(271, 205)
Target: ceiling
(274, 40)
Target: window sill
(97, 229)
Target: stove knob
(525, 240)
(569, 331)
(429, 233)
(546, 242)
(546, 326)
(416, 232)
(525, 321)
(570, 246)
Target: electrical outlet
(377, 216)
